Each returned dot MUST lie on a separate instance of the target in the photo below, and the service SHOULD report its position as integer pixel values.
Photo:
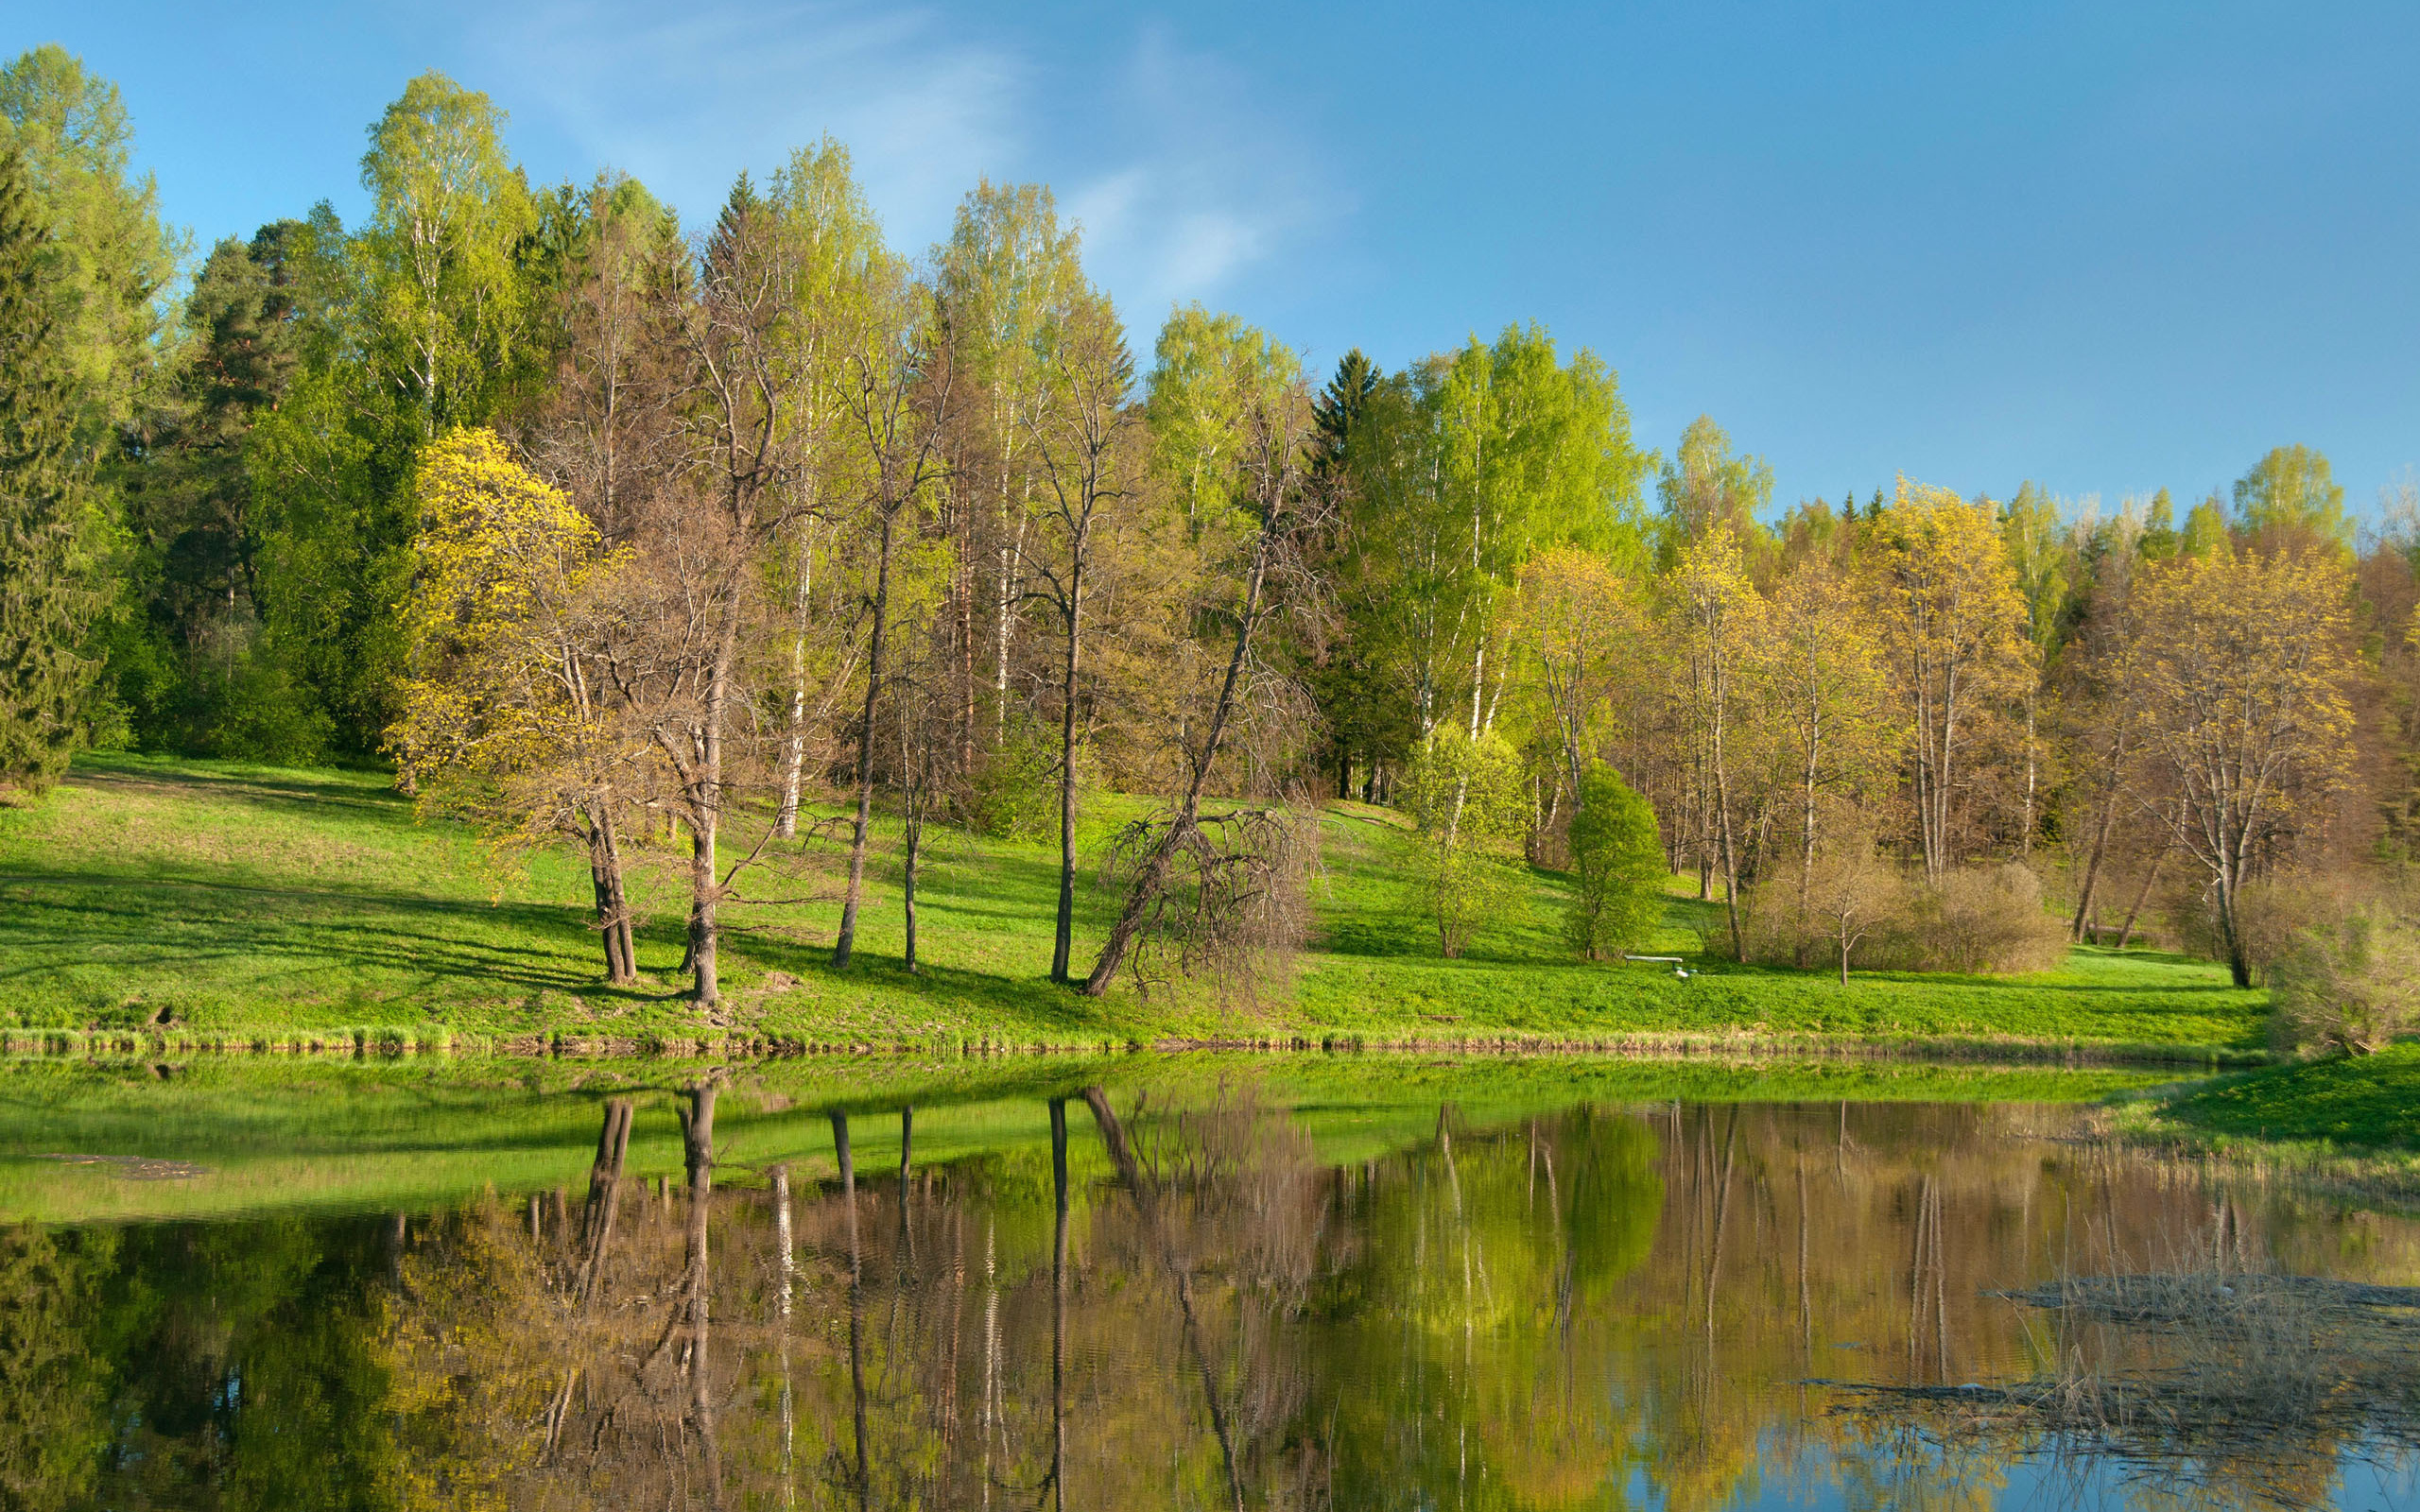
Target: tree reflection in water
(1185, 1306)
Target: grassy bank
(83, 1139)
(2347, 1126)
(2366, 1102)
(219, 905)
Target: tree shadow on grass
(69, 916)
(280, 789)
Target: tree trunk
(1801, 947)
(2238, 965)
(1730, 852)
(794, 749)
(913, 844)
(2033, 767)
(845, 944)
(612, 902)
(707, 988)
(2101, 827)
(2126, 931)
(1062, 940)
(705, 806)
(965, 595)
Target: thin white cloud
(1214, 184)
(1185, 183)
(684, 101)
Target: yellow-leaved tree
(1953, 630)
(1822, 687)
(1579, 620)
(1713, 617)
(505, 715)
(2237, 676)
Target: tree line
(762, 544)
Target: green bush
(1619, 857)
(1472, 808)
(1014, 793)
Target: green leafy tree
(2041, 553)
(1705, 486)
(108, 257)
(1008, 274)
(1476, 460)
(1472, 806)
(1619, 858)
(1210, 372)
(188, 664)
(440, 283)
(425, 319)
(2292, 491)
(49, 524)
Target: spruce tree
(1338, 409)
(47, 598)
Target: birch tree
(2038, 555)
(1580, 624)
(1711, 615)
(1952, 631)
(440, 290)
(1825, 692)
(1009, 268)
(898, 407)
(1081, 432)
(843, 287)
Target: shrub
(2276, 913)
(1468, 799)
(2349, 983)
(1014, 793)
(1619, 857)
(1850, 897)
(1984, 919)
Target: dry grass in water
(2208, 1381)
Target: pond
(1168, 1282)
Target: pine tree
(1338, 409)
(47, 599)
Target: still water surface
(1105, 1289)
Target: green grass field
(232, 903)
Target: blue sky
(2111, 247)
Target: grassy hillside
(235, 902)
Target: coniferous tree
(47, 598)
(1339, 407)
